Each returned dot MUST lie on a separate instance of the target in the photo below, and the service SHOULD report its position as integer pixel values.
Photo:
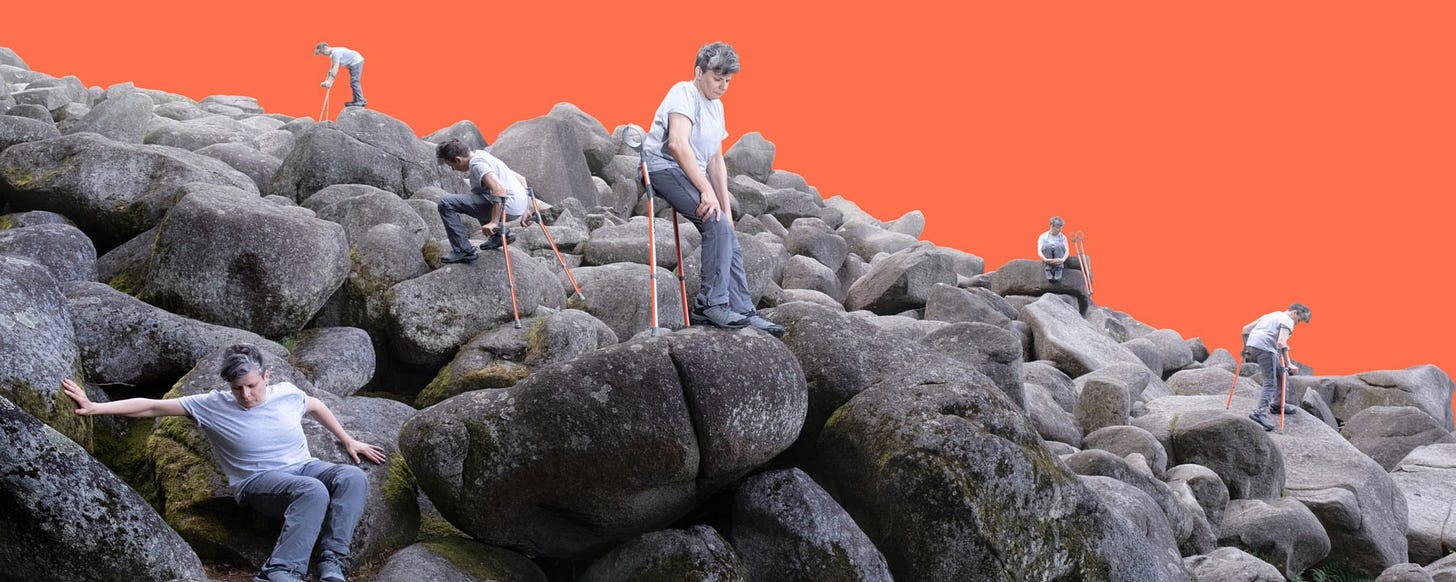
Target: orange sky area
(1223, 158)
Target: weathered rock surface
(225, 257)
(338, 360)
(614, 443)
(62, 248)
(786, 527)
(58, 501)
(697, 554)
(39, 349)
(433, 315)
(362, 147)
(1229, 564)
(1425, 387)
(123, 341)
(1283, 530)
(1388, 433)
(458, 560)
(1425, 478)
(1063, 337)
(113, 191)
(951, 483)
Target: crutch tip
(518, 325)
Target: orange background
(1224, 158)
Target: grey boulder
(697, 554)
(59, 501)
(991, 350)
(617, 294)
(123, 118)
(62, 248)
(786, 528)
(40, 346)
(751, 155)
(627, 243)
(15, 129)
(256, 165)
(1198, 430)
(547, 151)
(113, 191)
(126, 342)
(951, 482)
(431, 316)
(1028, 277)
(623, 440)
(458, 560)
(337, 360)
(899, 282)
(1388, 433)
(362, 147)
(1062, 336)
(1425, 387)
(225, 257)
(1425, 478)
(1230, 564)
(1137, 508)
(1281, 529)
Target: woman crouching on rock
(256, 433)
(684, 156)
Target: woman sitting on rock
(257, 438)
(1051, 246)
(684, 156)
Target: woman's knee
(353, 476)
(311, 490)
(720, 228)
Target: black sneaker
(494, 242)
(356, 104)
(720, 316)
(459, 257)
(1261, 421)
(1288, 410)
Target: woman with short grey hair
(684, 157)
(1052, 247)
(256, 432)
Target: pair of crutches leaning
(634, 138)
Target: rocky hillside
(922, 420)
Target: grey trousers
(310, 497)
(480, 207)
(724, 280)
(355, 71)
(1271, 369)
(1054, 272)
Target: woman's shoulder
(286, 387)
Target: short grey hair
(239, 361)
(1057, 221)
(718, 57)
(1301, 310)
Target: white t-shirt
(482, 163)
(706, 138)
(1057, 243)
(342, 56)
(247, 441)
(1265, 334)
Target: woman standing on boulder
(257, 438)
(684, 157)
